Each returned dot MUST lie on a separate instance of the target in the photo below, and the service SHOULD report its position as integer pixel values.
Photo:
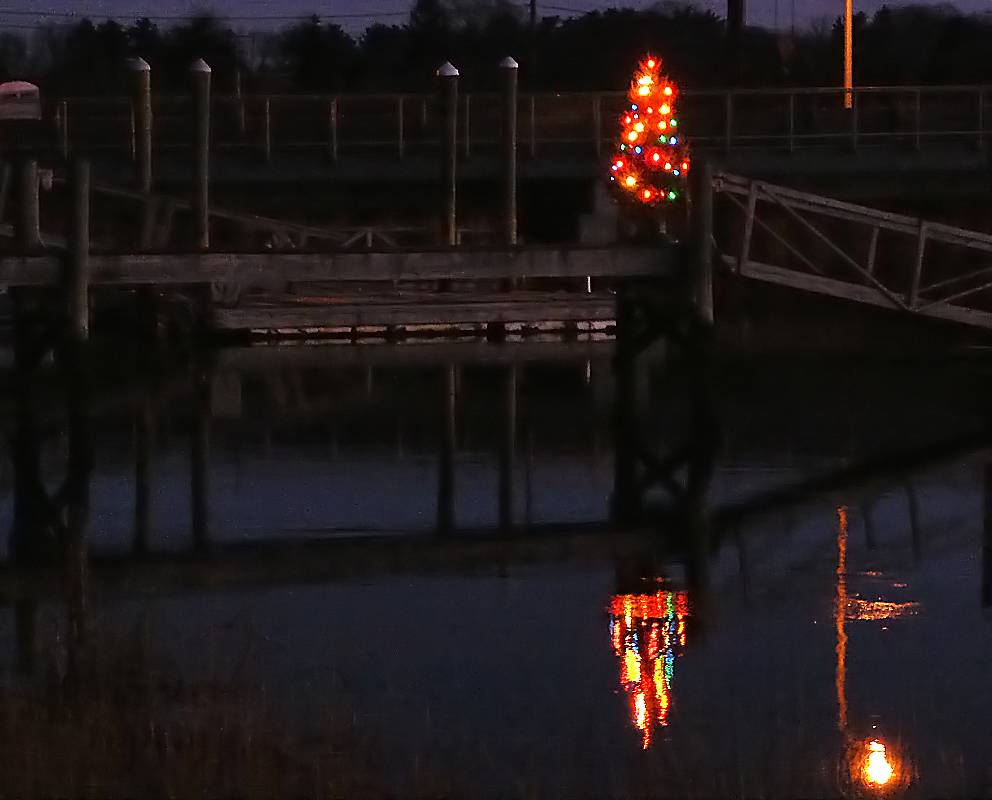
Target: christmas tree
(652, 160)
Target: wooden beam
(581, 307)
(426, 265)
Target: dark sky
(760, 12)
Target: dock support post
(510, 70)
(508, 446)
(239, 106)
(28, 211)
(141, 100)
(77, 276)
(200, 73)
(199, 448)
(25, 636)
(449, 152)
(702, 234)
(446, 467)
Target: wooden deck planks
(427, 309)
(412, 265)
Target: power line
(190, 17)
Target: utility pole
(533, 37)
(736, 17)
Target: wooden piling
(446, 464)
(702, 242)
(77, 276)
(64, 129)
(239, 106)
(200, 73)
(267, 130)
(510, 71)
(508, 445)
(28, 234)
(448, 75)
(141, 102)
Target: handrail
(739, 91)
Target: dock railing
(402, 126)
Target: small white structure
(19, 100)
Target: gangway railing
(817, 244)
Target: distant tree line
(909, 44)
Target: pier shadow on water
(466, 569)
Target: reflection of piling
(142, 474)
(446, 465)
(869, 519)
(199, 449)
(25, 635)
(914, 519)
(626, 489)
(200, 74)
(987, 541)
(507, 453)
(704, 447)
(702, 237)
(141, 101)
(448, 75)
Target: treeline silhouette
(595, 51)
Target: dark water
(836, 646)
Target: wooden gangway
(817, 244)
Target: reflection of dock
(410, 354)
(274, 563)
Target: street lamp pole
(848, 54)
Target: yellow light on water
(876, 771)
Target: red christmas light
(652, 159)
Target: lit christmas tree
(652, 160)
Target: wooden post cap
(447, 70)
(200, 66)
(509, 63)
(138, 65)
